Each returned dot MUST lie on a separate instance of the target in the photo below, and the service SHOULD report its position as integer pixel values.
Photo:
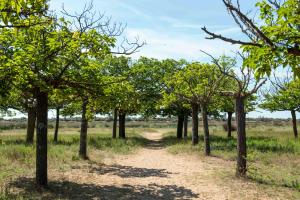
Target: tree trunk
(185, 126)
(195, 137)
(83, 131)
(180, 125)
(294, 120)
(56, 125)
(206, 130)
(241, 137)
(114, 131)
(41, 138)
(122, 117)
(229, 127)
(30, 125)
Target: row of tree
(70, 64)
(43, 55)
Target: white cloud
(220, 29)
(163, 45)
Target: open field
(152, 162)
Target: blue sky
(172, 28)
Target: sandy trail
(153, 173)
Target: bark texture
(122, 133)
(114, 130)
(55, 139)
(185, 126)
(294, 121)
(229, 127)
(30, 125)
(241, 137)
(41, 139)
(195, 137)
(180, 126)
(206, 130)
(83, 131)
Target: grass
(17, 158)
(21, 124)
(273, 153)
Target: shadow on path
(72, 190)
(154, 143)
(126, 171)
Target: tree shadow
(128, 171)
(154, 144)
(171, 140)
(80, 191)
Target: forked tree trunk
(180, 125)
(56, 125)
(83, 131)
(30, 125)
(229, 127)
(195, 137)
(114, 130)
(185, 126)
(122, 133)
(41, 138)
(241, 137)
(294, 121)
(206, 130)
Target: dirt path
(153, 173)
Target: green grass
(273, 153)
(21, 124)
(17, 158)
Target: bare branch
(252, 31)
(221, 68)
(232, 41)
(258, 85)
(236, 12)
(128, 48)
(88, 19)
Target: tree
(273, 43)
(245, 86)
(48, 57)
(198, 84)
(21, 13)
(226, 103)
(168, 103)
(284, 97)
(57, 100)
(227, 106)
(14, 15)
(22, 99)
(127, 102)
(172, 106)
(118, 69)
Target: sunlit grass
(18, 158)
(273, 153)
